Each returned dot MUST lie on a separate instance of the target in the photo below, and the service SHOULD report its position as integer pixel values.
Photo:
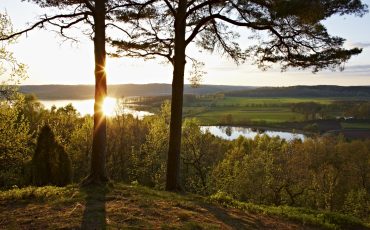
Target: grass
(243, 115)
(44, 194)
(247, 116)
(135, 207)
(248, 111)
(266, 112)
(321, 219)
(350, 125)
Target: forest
(59, 169)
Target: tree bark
(98, 173)
(173, 161)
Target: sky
(51, 60)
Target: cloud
(358, 68)
(360, 44)
(350, 70)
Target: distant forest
(304, 91)
(60, 92)
(55, 92)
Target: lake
(233, 132)
(86, 107)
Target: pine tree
(50, 163)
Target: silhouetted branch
(170, 7)
(46, 20)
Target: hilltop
(137, 207)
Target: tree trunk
(98, 173)
(173, 161)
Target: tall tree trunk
(173, 161)
(98, 173)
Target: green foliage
(359, 110)
(14, 129)
(12, 72)
(149, 164)
(357, 203)
(200, 153)
(317, 173)
(309, 109)
(63, 122)
(14, 145)
(50, 163)
(38, 193)
(80, 147)
(127, 135)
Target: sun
(109, 106)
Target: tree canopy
(289, 33)
(11, 70)
(294, 35)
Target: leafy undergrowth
(135, 207)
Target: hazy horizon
(73, 63)
(158, 83)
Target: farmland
(304, 114)
(244, 111)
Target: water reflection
(86, 107)
(233, 132)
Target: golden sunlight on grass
(109, 106)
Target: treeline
(304, 91)
(54, 92)
(79, 92)
(347, 109)
(157, 101)
(321, 173)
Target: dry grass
(128, 207)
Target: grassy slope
(136, 207)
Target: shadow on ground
(94, 215)
(247, 222)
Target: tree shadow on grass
(247, 222)
(94, 216)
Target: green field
(248, 101)
(244, 111)
(240, 115)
